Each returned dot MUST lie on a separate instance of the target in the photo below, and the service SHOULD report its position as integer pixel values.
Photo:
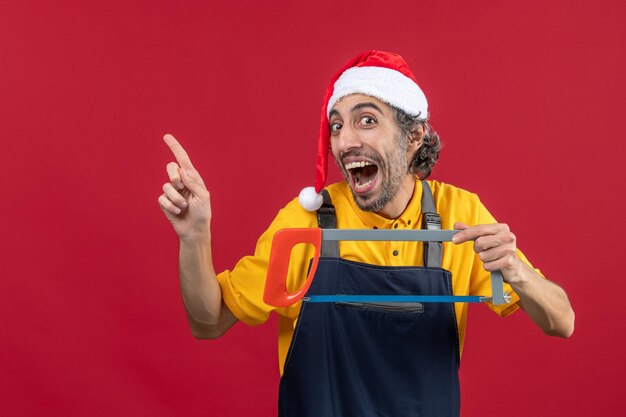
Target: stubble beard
(393, 167)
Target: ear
(417, 138)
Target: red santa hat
(382, 75)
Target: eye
(335, 127)
(367, 121)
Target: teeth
(361, 187)
(360, 164)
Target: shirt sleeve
(243, 286)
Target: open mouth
(362, 175)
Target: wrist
(196, 234)
(195, 240)
(519, 275)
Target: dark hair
(426, 156)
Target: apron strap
(433, 251)
(327, 219)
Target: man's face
(367, 145)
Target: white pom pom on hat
(383, 75)
(309, 199)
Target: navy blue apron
(373, 359)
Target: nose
(347, 139)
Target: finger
(179, 153)
(194, 183)
(460, 226)
(173, 172)
(194, 174)
(174, 196)
(506, 260)
(484, 243)
(491, 255)
(167, 206)
(474, 232)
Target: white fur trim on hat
(385, 84)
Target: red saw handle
(276, 293)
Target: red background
(528, 98)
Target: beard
(392, 166)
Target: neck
(397, 205)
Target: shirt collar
(407, 220)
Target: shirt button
(409, 222)
(395, 226)
(395, 253)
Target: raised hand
(185, 200)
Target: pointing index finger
(179, 153)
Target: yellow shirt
(242, 288)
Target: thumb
(193, 182)
(457, 238)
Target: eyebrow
(359, 106)
(366, 104)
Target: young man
(352, 358)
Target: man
(364, 359)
